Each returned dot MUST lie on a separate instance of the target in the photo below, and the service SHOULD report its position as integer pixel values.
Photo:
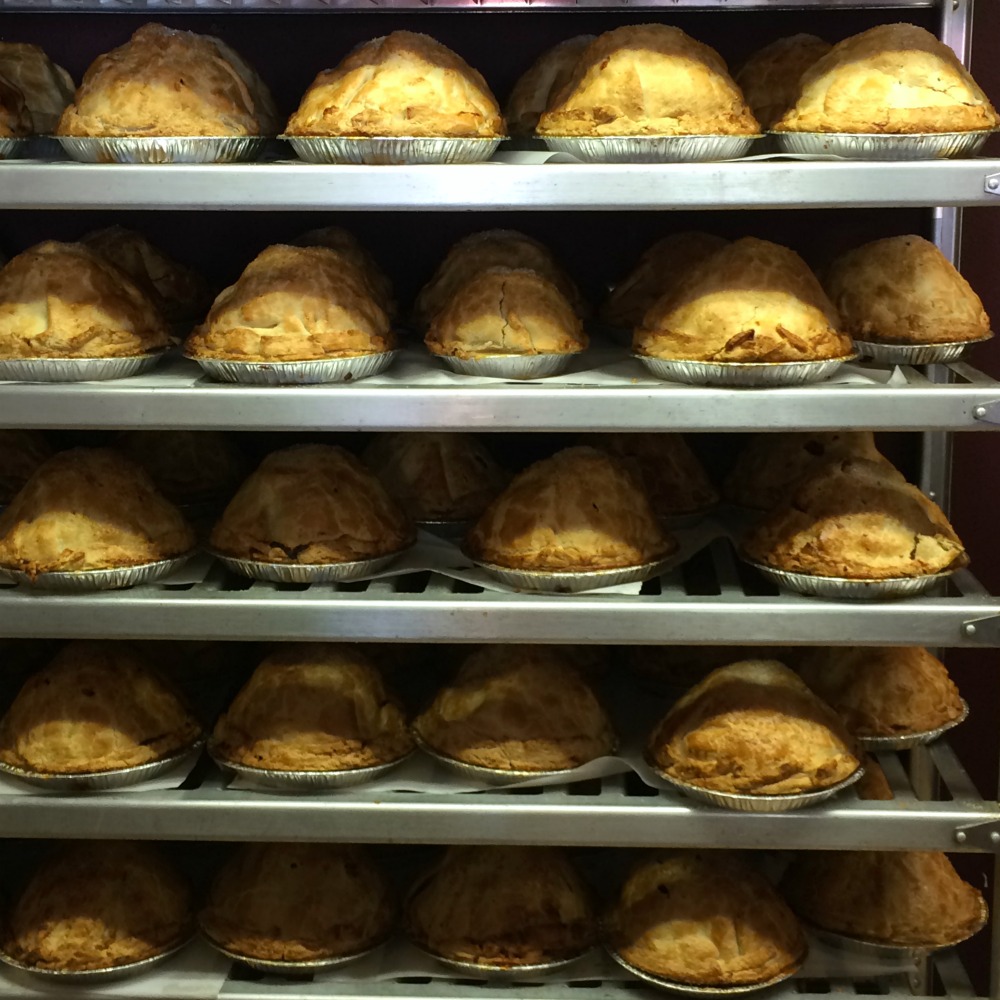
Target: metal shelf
(178, 6)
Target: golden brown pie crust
(46, 87)
(770, 77)
(15, 118)
(544, 77)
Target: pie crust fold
(770, 78)
(543, 78)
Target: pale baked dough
(96, 707)
(501, 906)
(517, 708)
(311, 503)
(770, 78)
(858, 519)
(63, 300)
(298, 902)
(753, 728)
(903, 290)
(579, 510)
(544, 77)
(90, 508)
(750, 301)
(294, 304)
(21, 452)
(97, 905)
(47, 88)
(401, 84)
(15, 118)
(648, 79)
(704, 918)
(894, 78)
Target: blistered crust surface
(544, 77)
(770, 78)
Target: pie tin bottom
(514, 366)
(906, 741)
(873, 146)
(12, 147)
(697, 990)
(76, 369)
(87, 580)
(94, 977)
(162, 148)
(297, 372)
(543, 582)
(274, 572)
(652, 148)
(507, 973)
(916, 354)
(743, 373)
(382, 150)
(839, 587)
(289, 968)
(99, 781)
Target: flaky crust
(903, 290)
(706, 919)
(298, 902)
(581, 509)
(750, 301)
(544, 77)
(313, 707)
(404, 84)
(858, 519)
(754, 728)
(96, 707)
(770, 78)
(293, 304)
(648, 79)
(21, 453)
(311, 503)
(891, 691)
(97, 905)
(15, 118)
(911, 898)
(894, 78)
(90, 508)
(506, 311)
(63, 300)
(502, 906)
(46, 87)
(517, 708)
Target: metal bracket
(988, 412)
(983, 630)
(984, 836)
(991, 184)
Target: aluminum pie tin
(275, 572)
(692, 990)
(297, 372)
(870, 949)
(514, 366)
(447, 529)
(508, 973)
(543, 582)
(12, 147)
(652, 148)
(839, 587)
(761, 374)
(76, 369)
(94, 977)
(917, 354)
(102, 781)
(873, 146)
(906, 741)
(88, 580)
(293, 968)
(383, 150)
(162, 148)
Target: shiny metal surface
(509, 366)
(91, 977)
(390, 150)
(87, 581)
(76, 369)
(756, 374)
(297, 372)
(542, 582)
(289, 968)
(930, 146)
(652, 149)
(908, 740)
(161, 150)
(916, 354)
(841, 588)
(688, 989)
(275, 572)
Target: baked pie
(858, 519)
(753, 728)
(311, 504)
(435, 476)
(21, 452)
(648, 79)
(98, 905)
(890, 691)
(15, 118)
(46, 87)
(673, 670)
(90, 508)
(298, 902)
(97, 706)
(502, 907)
(750, 301)
(705, 919)
(912, 899)
(903, 290)
(63, 300)
(294, 304)
(517, 708)
(313, 707)
(770, 78)
(873, 785)
(580, 510)
(401, 84)
(545, 77)
(893, 79)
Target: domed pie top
(543, 78)
(293, 304)
(98, 905)
(504, 311)
(859, 519)
(501, 906)
(90, 508)
(753, 728)
(520, 708)
(96, 707)
(313, 707)
(46, 87)
(63, 300)
(894, 78)
(401, 84)
(15, 118)
(705, 919)
(21, 452)
(164, 82)
(298, 902)
(903, 290)
(770, 77)
(750, 301)
(309, 504)
(579, 510)
(908, 898)
(648, 79)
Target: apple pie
(15, 118)
(544, 78)
(21, 453)
(770, 77)
(45, 87)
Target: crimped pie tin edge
(906, 741)
(510, 366)
(510, 973)
(162, 149)
(274, 572)
(917, 354)
(276, 966)
(89, 580)
(315, 372)
(14, 146)
(836, 587)
(391, 150)
(77, 369)
(892, 951)
(744, 374)
(879, 146)
(95, 977)
(542, 582)
(651, 148)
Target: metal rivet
(995, 837)
(969, 629)
(979, 412)
(992, 184)
(960, 836)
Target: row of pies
(705, 918)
